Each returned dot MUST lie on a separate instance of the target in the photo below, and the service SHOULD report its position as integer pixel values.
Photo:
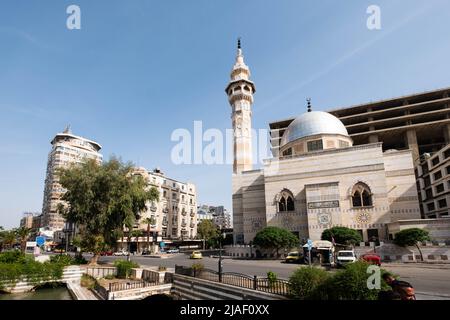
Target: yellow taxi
(196, 255)
(294, 256)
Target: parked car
(173, 251)
(372, 258)
(59, 250)
(344, 257)
(106, 253)
(294, 257)
(121, 253)
(196, 255)
(146, 252)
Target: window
(287, 152)
(440, 188)
(448, 170)
(429, 194)
(427, 181)
(425, 168)
(442, 203)
(437, 175)
(435, 161)
(165, 194)
(430, 206)
(343, 144)
(315, 145)
(447, 154)
(285, 201)
(361, 195)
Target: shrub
(162, 268)
(124, 268)
(63, 259)
(79, 259)
(12, 257)
(87, 281)
(305, 282)
(197, 266)
(351, 283)
(272, 278)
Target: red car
(372, 258)
(106, 253)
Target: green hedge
(305, 282)
(15, 266)
(124, 268)
(349, 283)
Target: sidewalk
(445, 266)
(431, 296)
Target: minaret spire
(240, 92)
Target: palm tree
(9, 238)
(23, 233)
(149, 221)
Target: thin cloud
(345, 57)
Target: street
(428, 280)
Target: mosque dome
(313, 123)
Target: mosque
(318, 179)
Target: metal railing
(120, 286)
(278, 286)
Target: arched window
(285, 201)
(361, 195)
(290, 204)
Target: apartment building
(175, 212)
(433, 183)
(67, 149)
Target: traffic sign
(40, 241)
(310, 244)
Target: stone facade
(175, 212)
(319, 179)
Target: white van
(345, 256)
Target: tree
(206, 230)
(412, 237)
(23, 233)
(102, 198)
(8, 239)
(275, 238)
(342, 235)
(149, 222)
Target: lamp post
(220, 255)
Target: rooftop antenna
(67, 129)
(308, 100)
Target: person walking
(402, 288)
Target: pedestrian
(403, 288)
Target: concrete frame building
(66, 150)
(433, 184)
(420, 122)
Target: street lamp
(220, 255)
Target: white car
(345, 256)
(121, 253)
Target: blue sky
(137, 70)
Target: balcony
(183, 224)
(192, 214)
(183, 212)
(192, 225)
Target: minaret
(240, 92)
